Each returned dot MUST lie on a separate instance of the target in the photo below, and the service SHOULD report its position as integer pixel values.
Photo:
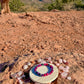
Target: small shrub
(66, 4)
(15, 5)
(79, 4)
(45, 7)
(57, 4)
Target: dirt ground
(28, 36)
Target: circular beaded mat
(43, 73)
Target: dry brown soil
(25, 37)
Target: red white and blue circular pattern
(49, 67)
(43, 73)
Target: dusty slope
(39, 34)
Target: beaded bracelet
(50, 69)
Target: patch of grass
(16, 5)
(79, 4)
(66, 4)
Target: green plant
(79, 4)
(56, 4)
(66, 4)
(15, 5)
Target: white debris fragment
(29, 64)
(60, 61)
(25, 67)
(43, 61)
(19, 78)
(21, 82)
(64, 74)
(14, 75)
(66, 70)
(64, 61)
(57, 64)
(50, 62)
(49, 58)
(61, 67)
(39, 60)
(20, 73)
(68, 67)
(69, 78)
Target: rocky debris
(38, 35)
(63, 70)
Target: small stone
(39, 60)
(66, 70)
(21, 82)
(43, 62)
(49, 58)
(68, 67)
(61, 67)
(20, 73)
(64, 74)
(19, 78)
(50, 62)
(14, 75)
(25, 67)
(57, 64)
(64, 61)
(69, 78)
(60, 61)
(23, 76)
(29, 64)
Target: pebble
(61, 67)
(68, 67)
(49, 58)
(50, 62)
(60, 61)
(25, 67)
(57, 64)
(66, 70)
(21, 82)
(29, 64)
(64, 61)
(43, 62)
(64, 74)
(20, 73)
(69, 78)
(14, 75)
(39, 60)
(19, 78)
